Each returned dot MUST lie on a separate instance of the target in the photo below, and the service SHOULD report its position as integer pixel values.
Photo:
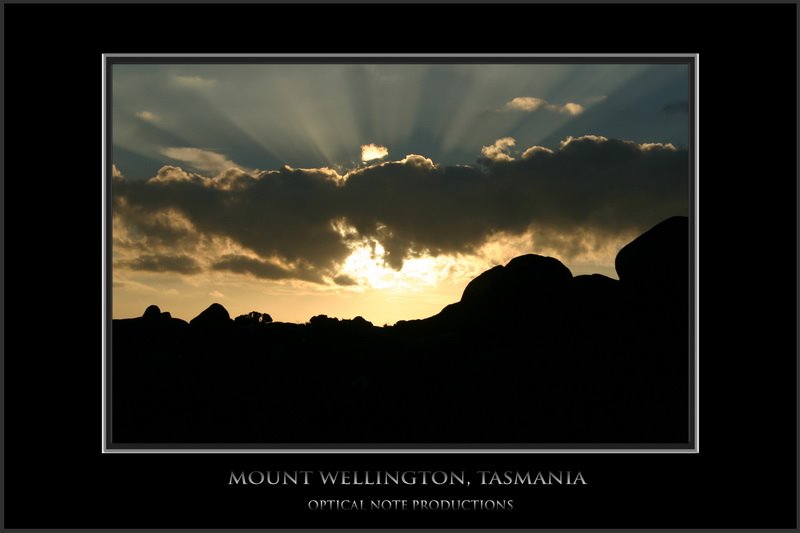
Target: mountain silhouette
(530, 354)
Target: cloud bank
(304, 223)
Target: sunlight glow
(367, 264)
(370, 152)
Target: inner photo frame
(417, 254)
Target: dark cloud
(152, 229)
(182, 264)
(676, 108)
(344, 281)
(285, 214)
(308, 217)
(242, 264)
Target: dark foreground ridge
(530, 354)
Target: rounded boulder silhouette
(215, 315)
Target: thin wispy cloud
(183, 264)
(199, 159)
(148, 116)
(595, 99)
(676, 108)
(193, 81)
(530, 104)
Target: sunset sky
(380, 190)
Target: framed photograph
(399, 266)
(519, 277)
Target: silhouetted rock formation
(361, 322)
(215, 315)
(595, 297)
(529, 287)
(152, 312)
(657, 262)
(529, 354)
(527, 276)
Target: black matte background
(55, 475)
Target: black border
(54, 474)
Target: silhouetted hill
(529, 354)
(215, 315)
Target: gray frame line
(3, 200)
(415, 55)
(402, 2)
(103, 259)
(695, 269)
(696, 264)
